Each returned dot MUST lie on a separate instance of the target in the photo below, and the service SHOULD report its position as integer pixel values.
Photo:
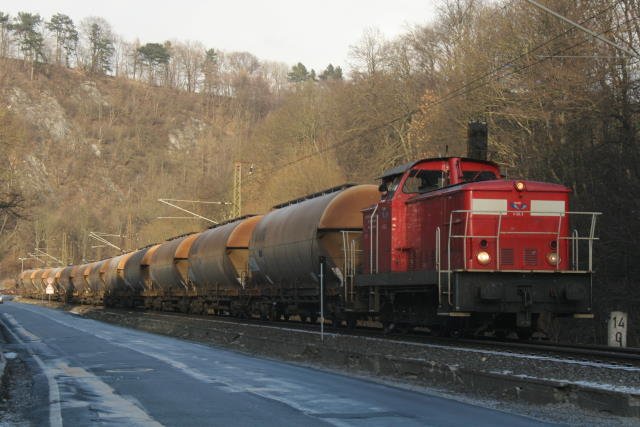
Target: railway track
(576, 352)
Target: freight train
(443, 243)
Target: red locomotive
(451, 238)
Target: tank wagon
(288, 243)
(218, 269)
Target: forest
(94, 129)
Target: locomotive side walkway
(600, 387)
(92, 373)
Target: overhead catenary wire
(454, 93)
(462, 90)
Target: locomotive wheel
(403, 328)
(274, 315)
(388, 327)
(524, 333)
(352, 322)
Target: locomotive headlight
(553, 258)
(483, 257)
(519, 185)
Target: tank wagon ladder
(352, 253)
(573, 241)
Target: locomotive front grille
(506, 257)
(530, 257)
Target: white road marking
(109, 406)
(55, 415)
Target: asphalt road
(90, 373)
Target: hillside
(95, 154)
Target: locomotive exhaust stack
(477, 140)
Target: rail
(572, 241)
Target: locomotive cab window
(422, 181)
(389, 186)
(475, 176)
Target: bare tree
(189, 57)
(5, 28)
(368, 55)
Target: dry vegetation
(92, 147)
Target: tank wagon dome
(287, 244)
(219, 256)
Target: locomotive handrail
(574, 238)
(371, 218)
(438, 266)
(575, 261)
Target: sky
(290, 31)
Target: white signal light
(483, 257)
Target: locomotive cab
(387, 228)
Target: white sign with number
(618, 329)
(49, 290)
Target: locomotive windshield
(474, 176)
(422, 181)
